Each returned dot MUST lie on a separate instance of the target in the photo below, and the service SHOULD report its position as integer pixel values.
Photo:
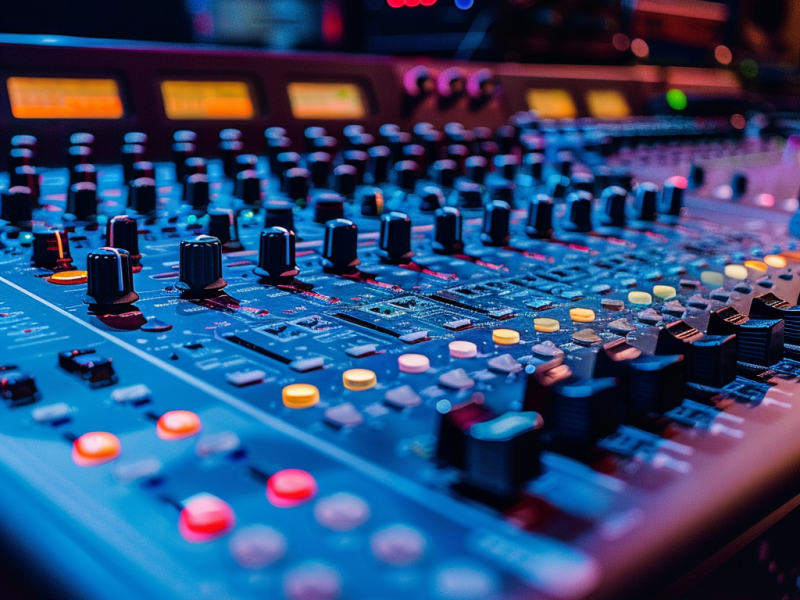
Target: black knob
(180, 152)
(416, 153)
(431, 199)
(503, 190)
(20, 157)
(319, 165)
(613, 200)
(193, 166)
(246, 162)
(496, 217)
(345, 179)
(16, 205)
(506, 138)
(760, 341)
(340, 248)
(378, 164)
(583, 412)
(51, 250)
(564, 162)
(671, 199)
(697, 176)
(540, 217)
(197, 192)
(109, 278)
(459, 153)
(142, 168)
(579, 212)
(467, 195)
(276, 147)
(387, 130)
(396, 143)
(506, 166)
(443, 172)
(135, 137)
(230, 135)
(533, 166)
(371, 201)
(296, 183)
(142, 196)
(131, 153)
(78, 155)
(447, 231)
(248, 187)
(328, 207)
(739, 184)
(223, 225)
(326, 143)
(311, 134)
(276, 256)
(229, 150)
(82, 201)
(81, 139)
(184, 135)
(395, 240)
(476, 168)
(286, 161)
(123, 232)
(357, 159)
(711, 359)
(406, 174)
(583, 182)
(28, 177)
(201, 267)
(279, 214)
(557, 186)
(644, 202)
(24, 141)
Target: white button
(398, 545)
(341, 512)
(257, 546)
(312, 581)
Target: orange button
(204, 518)
(291, 487)
(95, 448)
(178, 424)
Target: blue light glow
(464, 4)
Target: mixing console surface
(549, 360)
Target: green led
(191, 219)
(677, 99)
(749, 68)
(248, 214)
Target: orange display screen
(607, 104)
(326, 100)
(205, 100)
(552, 104)
(59, 98)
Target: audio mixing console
(386, 349)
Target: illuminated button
(398, 545)
(636, 297)
(291, 487)
(581, 315)
(545, 325)
(341, 512)
(359, 379)
(204, 518)
(462, 349)
(300, 395)
(775, 260)
(505, 337)
(413, 363)
(68, 277)
(735, 272)
(312, 581)
(756, 265)
(178, 424)
(95, 448)
(257, 546)
(712, 278)
(665, 292)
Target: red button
(204, 518)
(178, 424)
(95, 448)
(291, 487)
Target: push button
(95, 448)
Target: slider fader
(546, 359)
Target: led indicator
(677, 99)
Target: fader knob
(223, 225)
(51, 250)
(123, 232)
(82, 201)
(142, 196)
(447, 231)
(340, 248)
(201, 267)
(109, 278)
(16, 205)
(644, 202)
(276, 256)
(579, 212)
(248, 187)
(378, 164)
(540, 217)
(496, 216)
(197, 192)
(279, 214)
(613, 202)
(395, 240)
(671, 199)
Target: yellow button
(756, 265)
(637, 297)
(736, 271)
(581, 315)
(712, 278)
(665, 292)
(546, 325)
(505, 337)
(413, 363)
(178, 424)
(68, 277)
(359, 379)
(775, 260)
(462, 349)
(300, 395)
(95, 448)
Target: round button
(204, 518)
(546, 325)
(95, 448)
(665, 292)
(462, 349)
(300, 395)
(312, 581)
(341, 512)
(413, 363)
(68, 277)
(291, 487)
(736, 272)
(398, 545)
(359, 379)
(581, 315)
(636, 297)
(505, 337)
(257, 546)
(178, 424)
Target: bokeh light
(723, 55)
(640, 48)
(738, 121)
(621, 42)
(677, 99)
(749, 68)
